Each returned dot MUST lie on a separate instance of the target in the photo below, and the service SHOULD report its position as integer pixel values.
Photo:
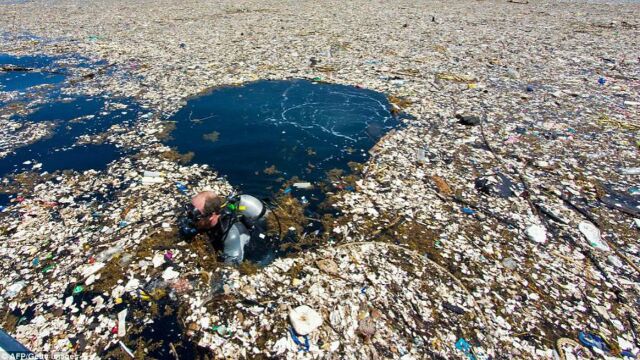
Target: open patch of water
(266, 132)
(19, 73)
(67, 109)
(68, 116)
(71, 119)
(4, 200)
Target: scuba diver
(231, 222)
(206, 210)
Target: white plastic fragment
(304, 319)
(335, 345)
(593, 236)
(14, 289)
(122, 325)
(152, 180)
(303, 185)
(615, 261)
(158, 260)
(92, 269)
(536, 233)
(90, 280)
(152, 177)
(282, 345)
(152, 174)
(117, 292)
(170, 274)
(509, 263)
(205, 322)
(132, 285)
(126, 349)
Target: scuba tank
(234, 242)
(252, 209)
(241, 216)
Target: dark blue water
(266, 131)
(80, 116)
(67, 109)
(32, 61)
(72, 116)
(44, 72)
(4, 200)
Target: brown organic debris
(442, 185)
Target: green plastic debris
(222, 330)
(317, 78)
(78, 289)
(48, 268)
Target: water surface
(70, 116)
(35, 70)
(266, 132)
(81, 116)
